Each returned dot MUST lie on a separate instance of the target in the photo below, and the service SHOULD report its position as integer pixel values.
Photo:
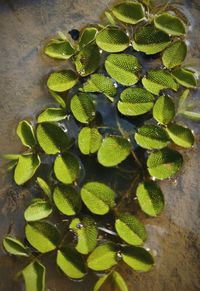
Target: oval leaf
(59, 49)
(14, 247)
(175, 54)
(62, 81)
(130, 12)
(170, 24)
(185, 77)
(52, 114)
(39, 209)
(87, 36)
(180, 135)
(26, 133)
(164, 109)
(34, 276)
(89, 140)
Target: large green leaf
(170, 24)
(150, 198)
(38, 209)
(129, 12)
(130, 229)
(62, 81)
(52, 138)
(87, 36)
(185, 77)
(26, 167)
(59, 49)
(52, 114)
(98, 197)
(123, 68)
(44, 186)
(164, 163)
(180, 135)
(89, 140)
(86, 232)
(34, 276)
(175, 54)
(112, 40)
(135, 101)
(164, 109)
(26, 133)
(14, 247)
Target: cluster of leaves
(115, 50)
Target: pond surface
(174, 237)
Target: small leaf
(89, 140)
(52, 114)
(82, 108)
(59, 49)
(67, 200)
(100, 282)
(150, 198)
(87, 36)
(58, 99)
(42, 235)
(37, 210)
(34, 276)
(14, 247)
(185, 77)
(62, 81)
(110, 18)
(164, 109)
(135, 101)
(130, 229)
(119, 281)
(195, 116)
(44, 186)
(137, 258)
(170, 24)
(98, 197)
(103, 257)
(175, 54)
(26, 168)
(26, 133)
(52, 138)
(11, 157)
(86, 232)
(180, 135)
(112, 39)
(164, 164)
(152, 137)
(182, 99)
(130, 12)
(71, 263)
(66, 168)
(123, 68)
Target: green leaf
(58, 99)
(87, 36)
(88, 59)
(195, 116)
(135, 101)
(52, 114)
(11, 157)
(44, 186)
(110, 18)
(130, 229)
(170, 24)
(71, 263)
(164, 164)
(123, 68)
(98, 197)
(89, 140)
(180, 135)
(62, 81)
(83, 108)
(137, 258)
(175, 54)
(59, 49)
(26, 133)
(26, 167)
(150, 198)
(34, 276)
(67, 200)
(150, 40)
(14, 247)
(152, 137)
(86, 232)
(112, 40)
(182, 100)
(52, 138)
(158, 80)
(100, 282)
(185, 77)
(103, 257)
(164, 109)
(37, 210)
(119, 281)
(66, 168)
(42, 235)
(129, 12)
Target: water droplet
(187, 42)
(115, 85)
(119, 255)
(101, 51)
(79, 225)
(82, 72)
(127, 33)
(147, 249)
(153, 178)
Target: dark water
(174, 237)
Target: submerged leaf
(89, 140)
(34, 276)
(59, 49)
(175, 54)
(87, 36)
(129, 12)
(52, 114)
(164, 109)
(195, 116)
(185, 77)
(62, 81)
(38, 210)
(14, 247)
(180, 135)
(26, 133)
(170, 24)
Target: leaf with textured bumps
(67, 200)
(98, 197)
(164, 109)
(129, 12)
(87, 36)
(34, 276)
(180, 135)
(151, 137)
(135, 101)
(71, 263)
(37, 210)
(123, 68)
(170, 24)
(62, 81)
(26, 133)
(89, 140)
(42, 235)
(150, 40)
(14, 247)
(185, 77)
(59, 49)
(175, 54)
(58, 99)
(150, 198)
(44, 186)
(164, 164)
(52, 114)
(26, 167)
(112, 40)
(86, 232)
(130, 229)
(83, 108)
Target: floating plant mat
(97, 155)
